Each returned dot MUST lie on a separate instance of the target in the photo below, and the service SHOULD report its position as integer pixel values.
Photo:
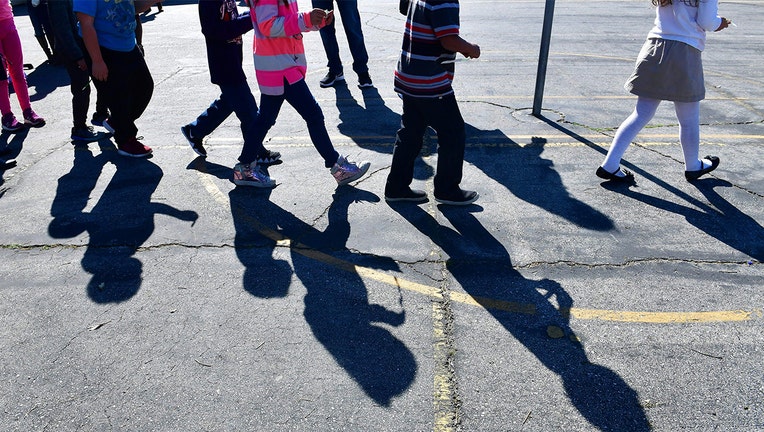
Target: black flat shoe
(627, 178)
(694, 175)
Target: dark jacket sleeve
(214, 27)
(63, 24)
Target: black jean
(80, 87)
(443, 115)
(129, 88)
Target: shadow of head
(115, 279)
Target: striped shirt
(278, 49)
(420, 72)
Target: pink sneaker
(10, 123)
(32, 119)
(345, 171)
(133, 148)
(251, 175)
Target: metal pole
(546, 36)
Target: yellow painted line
(517, 140)
(488, 303)
(443, 380)
(664, 317)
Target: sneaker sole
(85, 140)
(331, 84)
(254, 184)
(107, 126)
(408, 199)
(269, 163)
(458, 203)
(355, 177)
(142, 155)
(13, 130)
(364, 86)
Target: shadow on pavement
(372, 126)
(337, 307)
(9, 150)
(598, 393)
(521, 170)
(44, 80)
(720, 219)
(118, 224)
(530, 177)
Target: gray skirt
(668, 70)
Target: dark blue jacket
(223, 26)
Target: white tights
(688, 114)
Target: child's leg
(11, 48)
(141, 84)
(120, 94)
(642, 114)
(408, 144)
(298, 95)
(329, 39)
(5, 95)
(215, 114)
(351, 22)
(444, 116)
(270, 106)
(80, 88)
(688, 114)
(243, 103)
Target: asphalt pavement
(155, 295)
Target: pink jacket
(278, 49)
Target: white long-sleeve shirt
(684, 23)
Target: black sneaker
(7, 163)
(98, 119)
(269, 158)
(458, 197)
(330, 79)
(408, 194)
(194, 142)
(364, 81)
(86, 134)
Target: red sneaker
(133, 148)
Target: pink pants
(10, 48)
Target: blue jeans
(351, 21)
(443, 115)
(234, 98)
(298, 95)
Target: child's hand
(329, 18)
(472, 52)
(317, 17)
(725, 23)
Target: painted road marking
(517, 141)
(645, 317)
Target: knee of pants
(314, 115)
(264, 123)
